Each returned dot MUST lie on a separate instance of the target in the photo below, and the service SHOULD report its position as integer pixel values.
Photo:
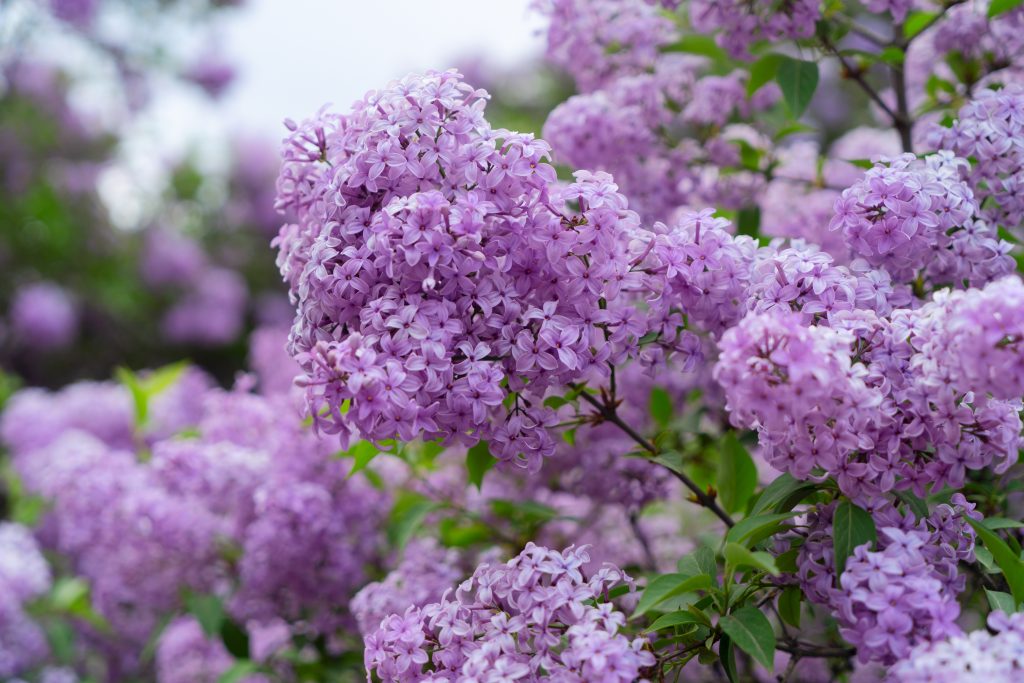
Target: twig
(609, 414)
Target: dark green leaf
(235, 639)
(996, 523)
(523, 511)
(751, 631)
(918, 506)
(998, 7)
(851, 527)
(673, 619)
(1008, 561)
(998, 600)
(737, 474)
(700, 561)
(789, 605)
(478, 461)
(661, 407)
(798, 80)
(728, 658)
(762, 71)
(748, 221)
(663, 587)
(782, 495)
(208, 611)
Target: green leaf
(998, 7)
(737, 556)
(892, 55)
(363, 452)
(524, 511)
(751, 631)
(673, 619)
(996, 523)
(1008, 561)
(661, 407)
(235, 639)
(407, 516)
(238, 671)
(851, 527)
(728, 658)
(798, 80)
(700, 561)
(748, 221)
(663, 587)
(789, 605)
(208, 611)
(782, 495)
(737, 474)
(917, 505)
(697, 45)
(986, 559)
(998, 600)
(749, 531)
(144, 388)
(916, 22)
(762, 71)
(478, 461)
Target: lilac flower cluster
(989, 130)
(443, 281)
(740, 23)
(978, 655)
(249, 505)
(186, 655)
(529, 619)
(24, 575)
(903, 593)
(918, 219)
(598, 41)
(44, 316)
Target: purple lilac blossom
(44, 316)
(507, 619)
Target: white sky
(293, 56)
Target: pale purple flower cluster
(24, 575)
(423, 576)
(596, 41)
(798, 387)
(903, 592)
(44, 316)
(989, 130)
(211, 312)
(184, 654)
(250, 503)
(443, 281)
(996, 656)
(536, 617)
(740, 23)
(897, 8)
(919, 220)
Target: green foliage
(663, 587)
(1008, 561)
(738, 556)
(798, 80)
(751, 631)
(851, 527)
(408, 514)
(145, 387)
(478, 461)
(737, 474)
(762, 71)
(660, 405)
(998, 600)
(997, 7)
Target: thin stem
(809, 650)
(609, 414)
(645, 543)
(902, 122)
(855, 73)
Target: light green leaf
(762, 71)
(737, 556)
(695, 44)
(363, 452)
(700, 561)
(998, 7)
(673, 619)
(737, 474)
(749, 531)
(663, 587)
(208, 611)
(851, 527)
(407, 516)
(916, 22)
(478, 461)
(782, 495)
(996, 523)
(998, 600)
(751, 631)
(798, 80)
(661, 407)
(238, 671)
(1008, 561)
